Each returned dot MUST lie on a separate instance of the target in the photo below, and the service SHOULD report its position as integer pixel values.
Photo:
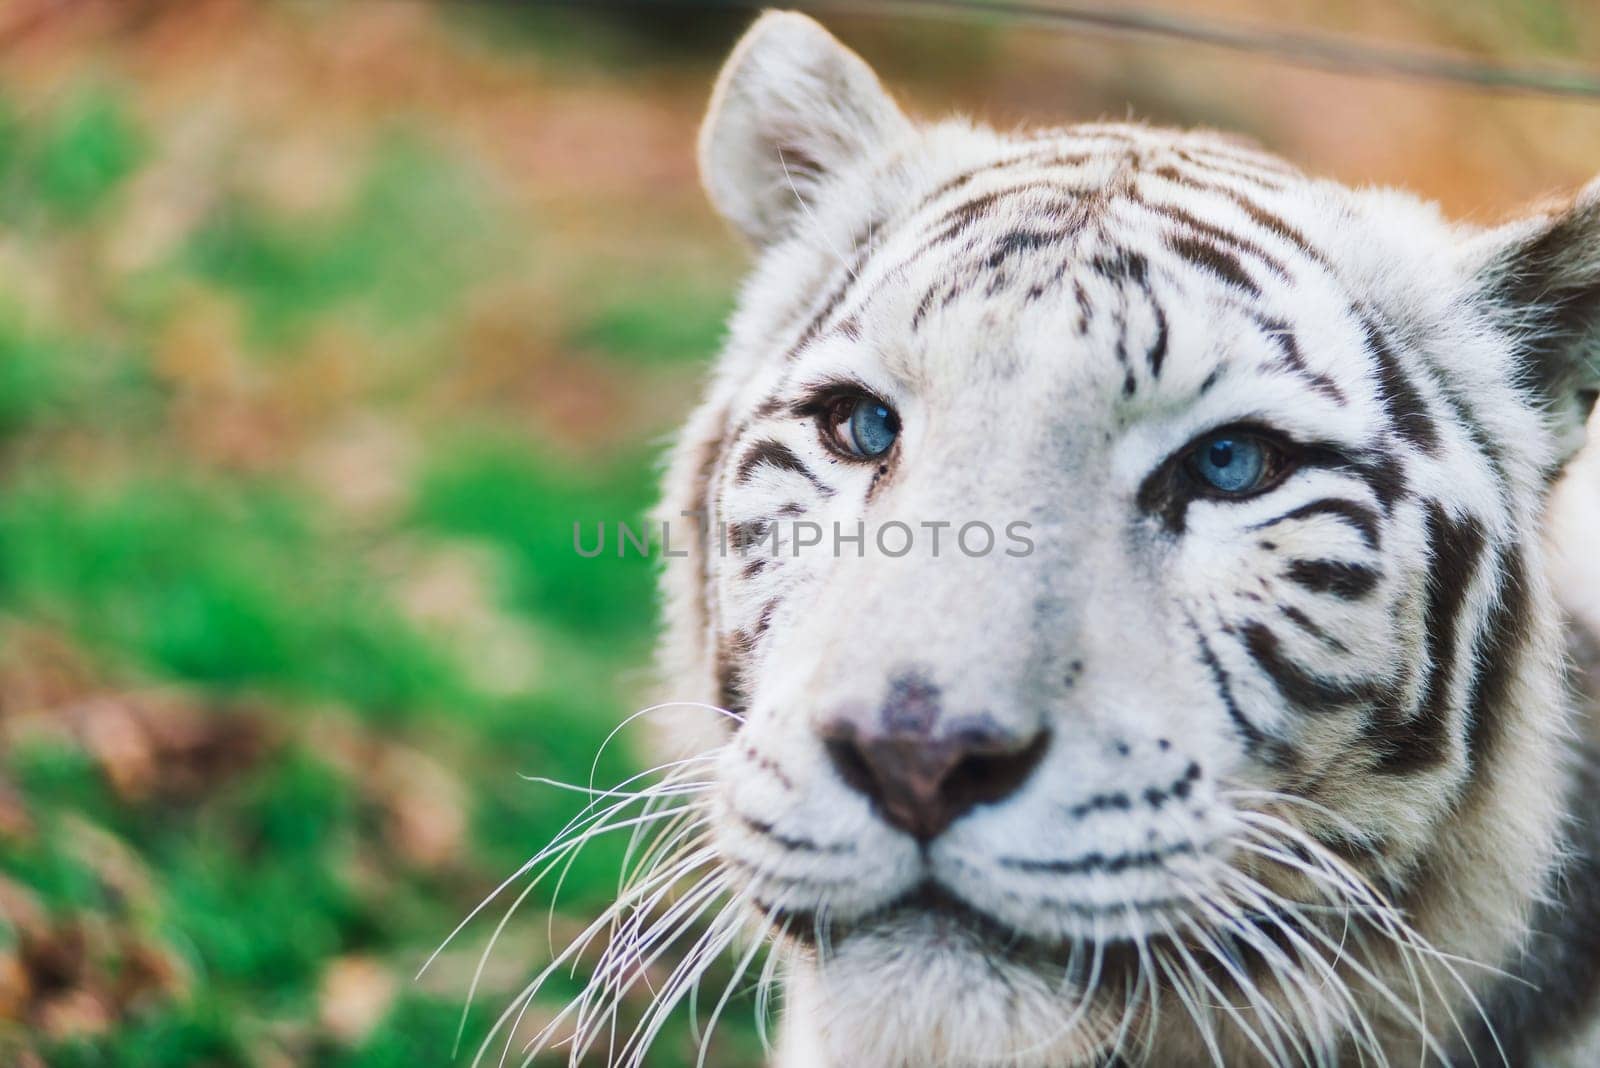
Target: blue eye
(871, 428)
(1231, 463)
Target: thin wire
(1318, 50)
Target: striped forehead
(1119, 236)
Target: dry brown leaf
(74, 1014)
(355, 995)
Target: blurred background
(320, 324)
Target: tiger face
(1120, 565)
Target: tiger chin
(1259, 744)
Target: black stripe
(1363, 519)
(1283, 336)
(832, 303)
(770, 453)
(1246, 157)
(1505, 644)
(1244, 174)
(706, 464)
(1158, 348)
(1454, 548)
(1305, 623)
(922, 307)
(1467, 420)
(1384, 475)
(1259, 214)
(1085, 308)
(1112, 864)
(1341, 578)
(1069, 211)
(1268, 221)
(1270, 750)
(769, 407)
(1050, 157)
(1219, 235)
(1128, 383)
(957, 220)
(743, 535)
(732, 656)
(1214, 259)
(1015, 241)
(1404, 404)
(1123, 265)
(791, 843)
(1304, 689)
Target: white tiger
(1253, 743)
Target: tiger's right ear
(791, 109)
(1541, 278)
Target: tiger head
(1119, 560)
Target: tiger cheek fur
(1301, 750)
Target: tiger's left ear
(792, 109)
(1541, 277)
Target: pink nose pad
(922, 784)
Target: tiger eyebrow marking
(1282, 334)
(1401, 398)
(770, 452)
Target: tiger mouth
(1111, 962)
(944, 918)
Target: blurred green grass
(252, 739)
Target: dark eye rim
(1282, 459)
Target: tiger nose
(922, 784)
